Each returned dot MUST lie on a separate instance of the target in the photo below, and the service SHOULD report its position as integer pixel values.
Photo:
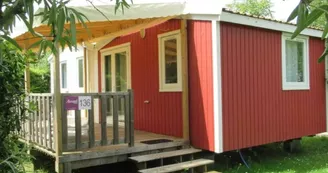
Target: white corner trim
(205, 17)
(267, 24)
(295, 85)
(217, 86)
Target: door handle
(146, 102)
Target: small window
(80, 72)
(170, 62)
(64, 75)
(295, 63)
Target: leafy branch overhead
(306, 13)
(261, 8)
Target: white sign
(85, 102)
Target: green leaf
(27, 24)
(314, 15)
(12, 41)
(36, 44)
(73, 29)
(325, 31)
(300, 19)
(60, 24)
(323, 56)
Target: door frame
(110, 51)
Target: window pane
(120, 71)
(294, 61)
(108, 69)
(80, 68)
(64, 75)
(171, 71)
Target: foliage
(307, 13)
(40, 75)
(12, 64)
(261, 8)
(13, 156)
(320, 22)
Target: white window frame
(305, 85)
(126, 47)
(163, 87)
(78, 74)
(61, 75)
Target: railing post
(103, 120)
(29, 120)
(131, 144)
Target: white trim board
(264, 23)
(217, 87)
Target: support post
(57, 111)
(27, 79)
(185, 96)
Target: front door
(116, 76)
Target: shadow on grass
(272, 158)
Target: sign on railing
(114, 112)
(77, 102)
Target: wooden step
(150, 157)
(178, 166)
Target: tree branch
(97, 9)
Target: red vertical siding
(201, 84)
(255, 108)
(163, 114)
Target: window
(64, 75)
(80, 72)
(295, 63)
(170, 62)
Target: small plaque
(85, 102)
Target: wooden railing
(78, 136)
(80, 131)
(38, 128)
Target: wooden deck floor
(139, 136)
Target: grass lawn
(313, 158)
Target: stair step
(178, 166)
(150, 157)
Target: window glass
(64, 75)
(80, 72)
(108, 77)
(294, 61)
(171, 70)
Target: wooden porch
(85, 142)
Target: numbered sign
(85, 102)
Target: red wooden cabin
(249, 84)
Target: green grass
(30, 169)
(313, 158)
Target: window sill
(295, 87)
(170, 90)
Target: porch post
(57, 110)
(27, 78)
(185, 96)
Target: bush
(12, 94)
